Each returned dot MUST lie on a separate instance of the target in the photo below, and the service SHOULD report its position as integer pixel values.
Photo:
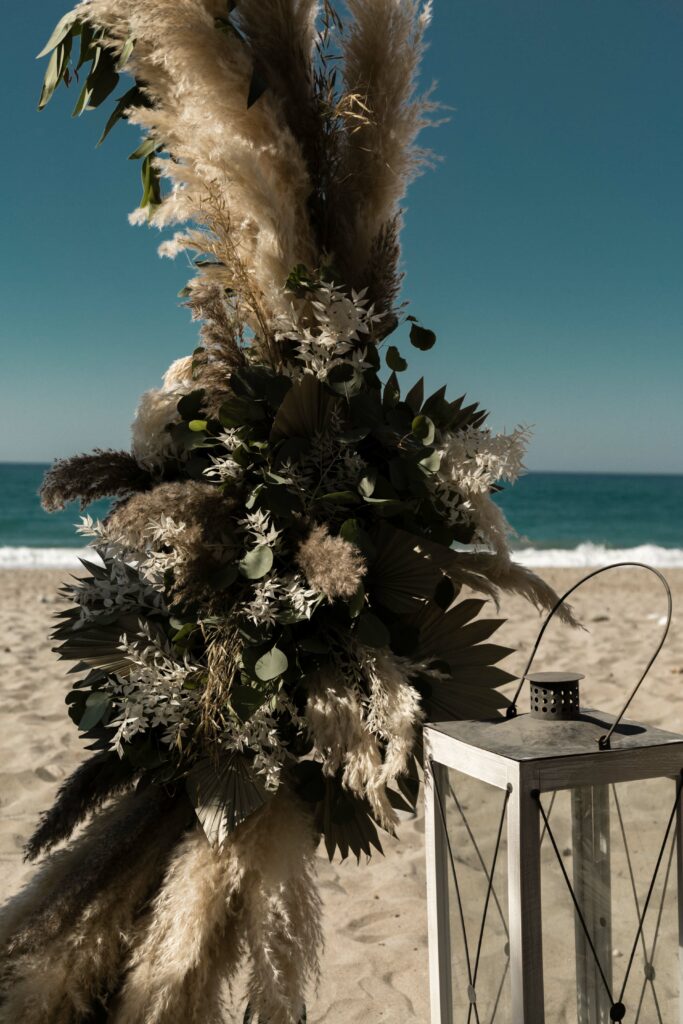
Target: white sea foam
(583, 556)
(43, 558)
(588, 554)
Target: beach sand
(375, 961)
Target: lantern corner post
(679, 894)
(438, 910)
(524, 896)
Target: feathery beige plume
(382, 49)
(332, 566)
(235, 170)
(187, 943)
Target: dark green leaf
(392, 392)
(96, 706)
(352, 531)
(415, 397)
(257, 87)
(132, 98)
(338, 498)
(190, 405)
(445, 594)
(371, 631)
(224, 795)
(357, 602)
(422, 338)
(395, 360)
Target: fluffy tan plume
(236, 171)
(382, 49)
(333, 566)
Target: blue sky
(546, 249)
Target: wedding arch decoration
(277, 603)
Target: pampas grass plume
(333, 566)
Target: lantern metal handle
(604, 741)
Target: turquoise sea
(560, 518)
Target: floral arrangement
(277, 603)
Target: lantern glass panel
(477, 831)
(610, 838)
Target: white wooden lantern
(581, 757)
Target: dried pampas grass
(332, 566)
(382, 48)
(87, 478)
(197, 78)
(253, 897)
(348, 731)
(187, 943)
(96, 780)
(282, 908)
(56, 965)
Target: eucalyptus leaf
(366, 485)
(424, 429)
(395, 360)
(257, 562)
(271, 665)
(422, 338)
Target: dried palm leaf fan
(277, 603)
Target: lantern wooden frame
(527, 769)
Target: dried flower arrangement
(278, 604)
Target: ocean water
(561, 519)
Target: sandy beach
(375, 962)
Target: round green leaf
(424, 429)
(395, 360)
(197, 425)
(271, 665)
(257, 562)
(421, 337)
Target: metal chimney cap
(542, 678)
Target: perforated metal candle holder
(554, 696)
(531, 760)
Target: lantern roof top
(528, 738)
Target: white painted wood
(593, 891)
(438, 913)
(462, 757)
(603, 767)
(524, 895)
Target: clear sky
(546, 249)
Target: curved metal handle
(604, 741)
